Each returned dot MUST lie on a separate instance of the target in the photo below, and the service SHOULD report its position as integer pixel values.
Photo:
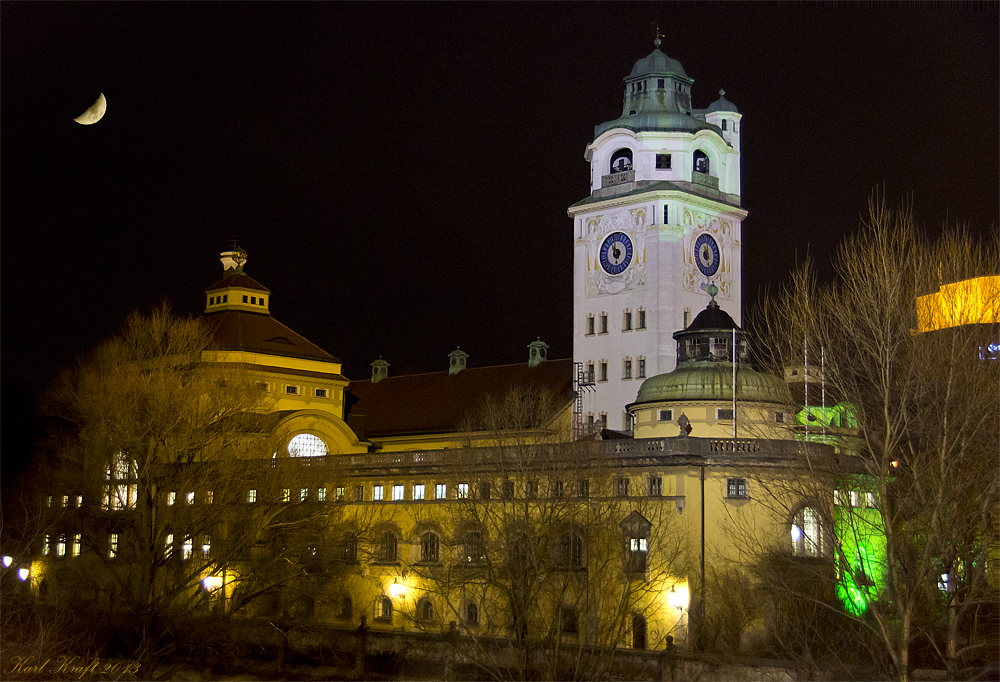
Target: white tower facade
(662, 221)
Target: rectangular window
(45, 546)
(659, 83)
(604, 371)
(209, 496)
(206, 546)
(723, 413)
(253, 300)
(359, 493)
(604, 323)
(251, 496)
(303, 494)
(321, 393)
(112, 546)
(590, 325)
(663, 163)
(508, 490)
(77, 541)
(377, 493)
(666, 415)
(440, 491)
(168, 546)
(627, 370)
(666, 221)
(321, 494)
(779, 417)
(463, 491)
(687, 317)
(286, 495)
(65, 500)
(531, 489)
(655, 486)
(621, 487)
(79, 501)
(723, 124)
(736, 487)
(855, 498)
(418, 491)
(589, 379)
(397, 493)
(604, 420)
(642, 319)
(583, 488)
(171, 497)
(340, 493)
(627, 321)
(642, 368)
(187, 548)
(292, 390)
(484, 490)
(870, 500)
(638, 549)
(246, 298)
(559, 489)
(590, 420)
(838, 498)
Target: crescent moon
(94, 113)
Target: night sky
(399, 174)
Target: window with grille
(736, 487)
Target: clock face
(706, 255)
(616, 253)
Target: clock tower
(662, 222)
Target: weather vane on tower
(654, 26)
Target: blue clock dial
(706, 255)
(616, 253)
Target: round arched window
(306, 445)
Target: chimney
(380, 370)
(456, 360)
(537, 351)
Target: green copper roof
(707, 380)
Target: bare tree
(926, 412)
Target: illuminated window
(638, 552)
(65, 501)
(307, 445)
(429, 546)
(171, 497)
(321, 494)
(122, 489)
(604, 323)
(49, 501)
(77, 541)
(418, 491)
(113, 545)
(855, 498)
(870, 501)
(187, 548)
(168, 548)
(340, 493)
(463, 491)
(251, 496)
(61, 546)
(807, 533)
(440, 491)
(838, 498)
(397, 493)
(286, 495)
(303, 494)
(79, 501)
(377, 493)
(206, 546)
(209, 497)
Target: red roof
(440, 402)
(260, 333)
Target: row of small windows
(184, 547)
(631, 369)
(855, 498)
(424, 612)
(627, 319)
(224, 298)
(661, 84)
(292, 389)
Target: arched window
(425, 610)
(700, 161)
(387, 547)
(621, 161)
(306, 445)
(429, 546)
(471, 614)
(383, 609)
(475, 549)
(807, 533)
(346, 607)
(638, 632)
(570, 554)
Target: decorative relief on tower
(616, 252)
(707, 259)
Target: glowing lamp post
(396, 589)
(7, 561)
(23, 573)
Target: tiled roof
(439, 402)
(235, 278)
(260, 333)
